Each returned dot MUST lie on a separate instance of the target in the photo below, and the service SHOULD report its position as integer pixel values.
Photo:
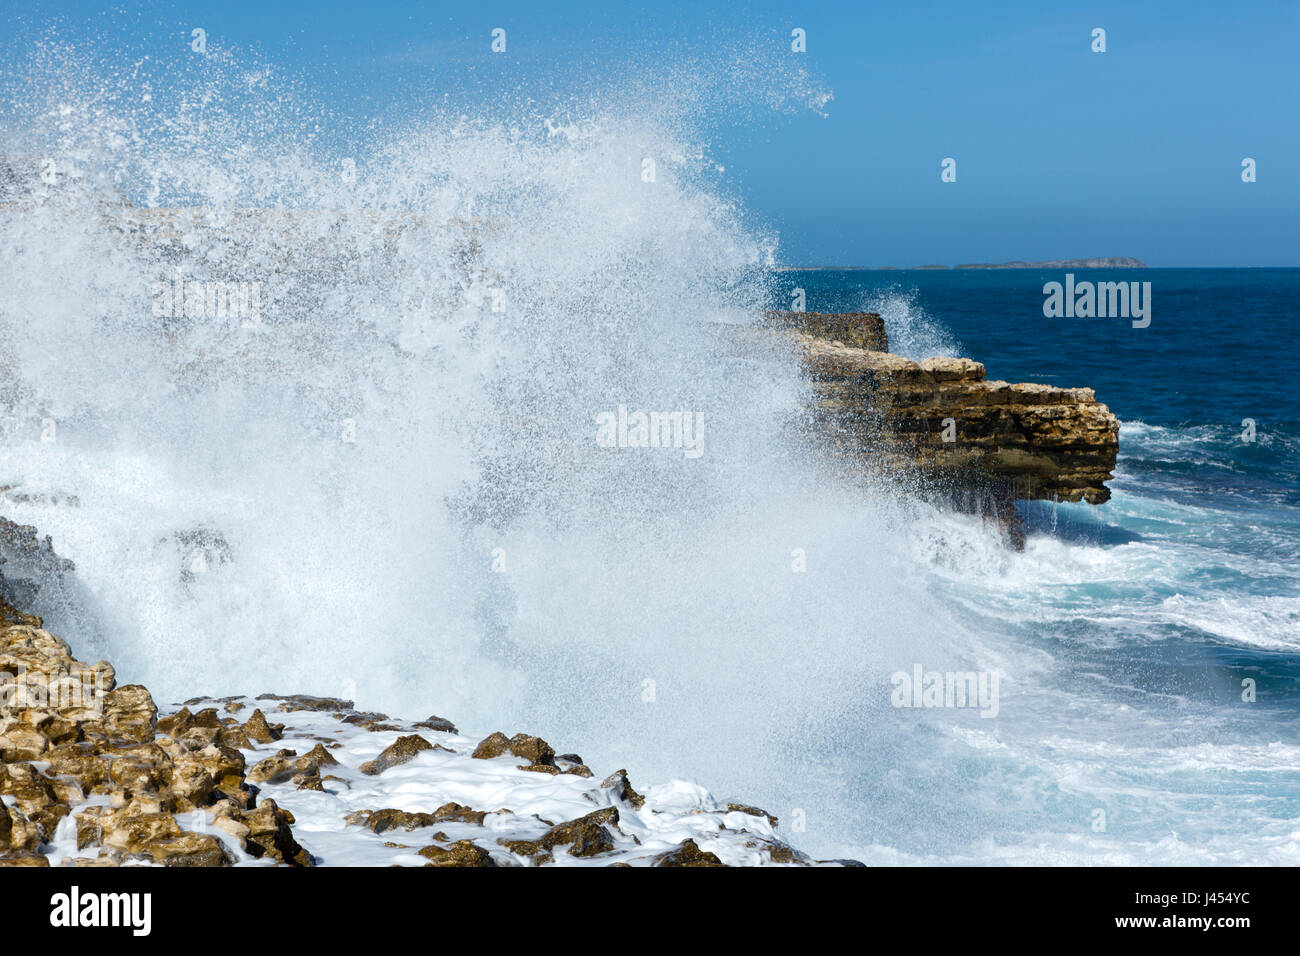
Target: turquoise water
(1134, 624)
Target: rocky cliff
(942, 420)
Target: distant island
(1098, 262)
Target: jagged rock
(460, 853)
(381, 821)
(287, 766)
(371, 721)
(130, 713)
(295, 702)
(204, 774)
(23, 859)
(535, 750)
(622, 787)
(136, 831)
(860, 330)
(205, 728)
(440, 724)
(47, 818)
(260, 730)
(100, 739)
(274, 769)
(30, 788)
(226, 821)
(751, 811)
(493, 745)
(36, 811)
(10, 615)
(687, 853)
(17, 834)
(399, 752)
(128, 829)
(586, 836)
(19, 742)
(190, 849)
(269, 835)
(139, 767)
(183, 720)
(781, 853)
(320, 757)
(459, 813)
(309, 779)
(1017, 440)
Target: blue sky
(1060, 151)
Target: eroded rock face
(270, 835)
(943, 419)
(124, 784)
(859, 330)
(68, 733)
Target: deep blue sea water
(1144, 615)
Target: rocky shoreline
(92, 775)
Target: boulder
(130, 714)
(687, 853)
(399, 752)
(460, 853)
(622, 789)
(259, 729)
(269, 835)
(586, 836)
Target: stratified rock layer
(942, 418)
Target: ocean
(1140, 618)
(384, 480)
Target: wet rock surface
(138, 789)
(943, 419)
(92, 774)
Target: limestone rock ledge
(943, 419)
